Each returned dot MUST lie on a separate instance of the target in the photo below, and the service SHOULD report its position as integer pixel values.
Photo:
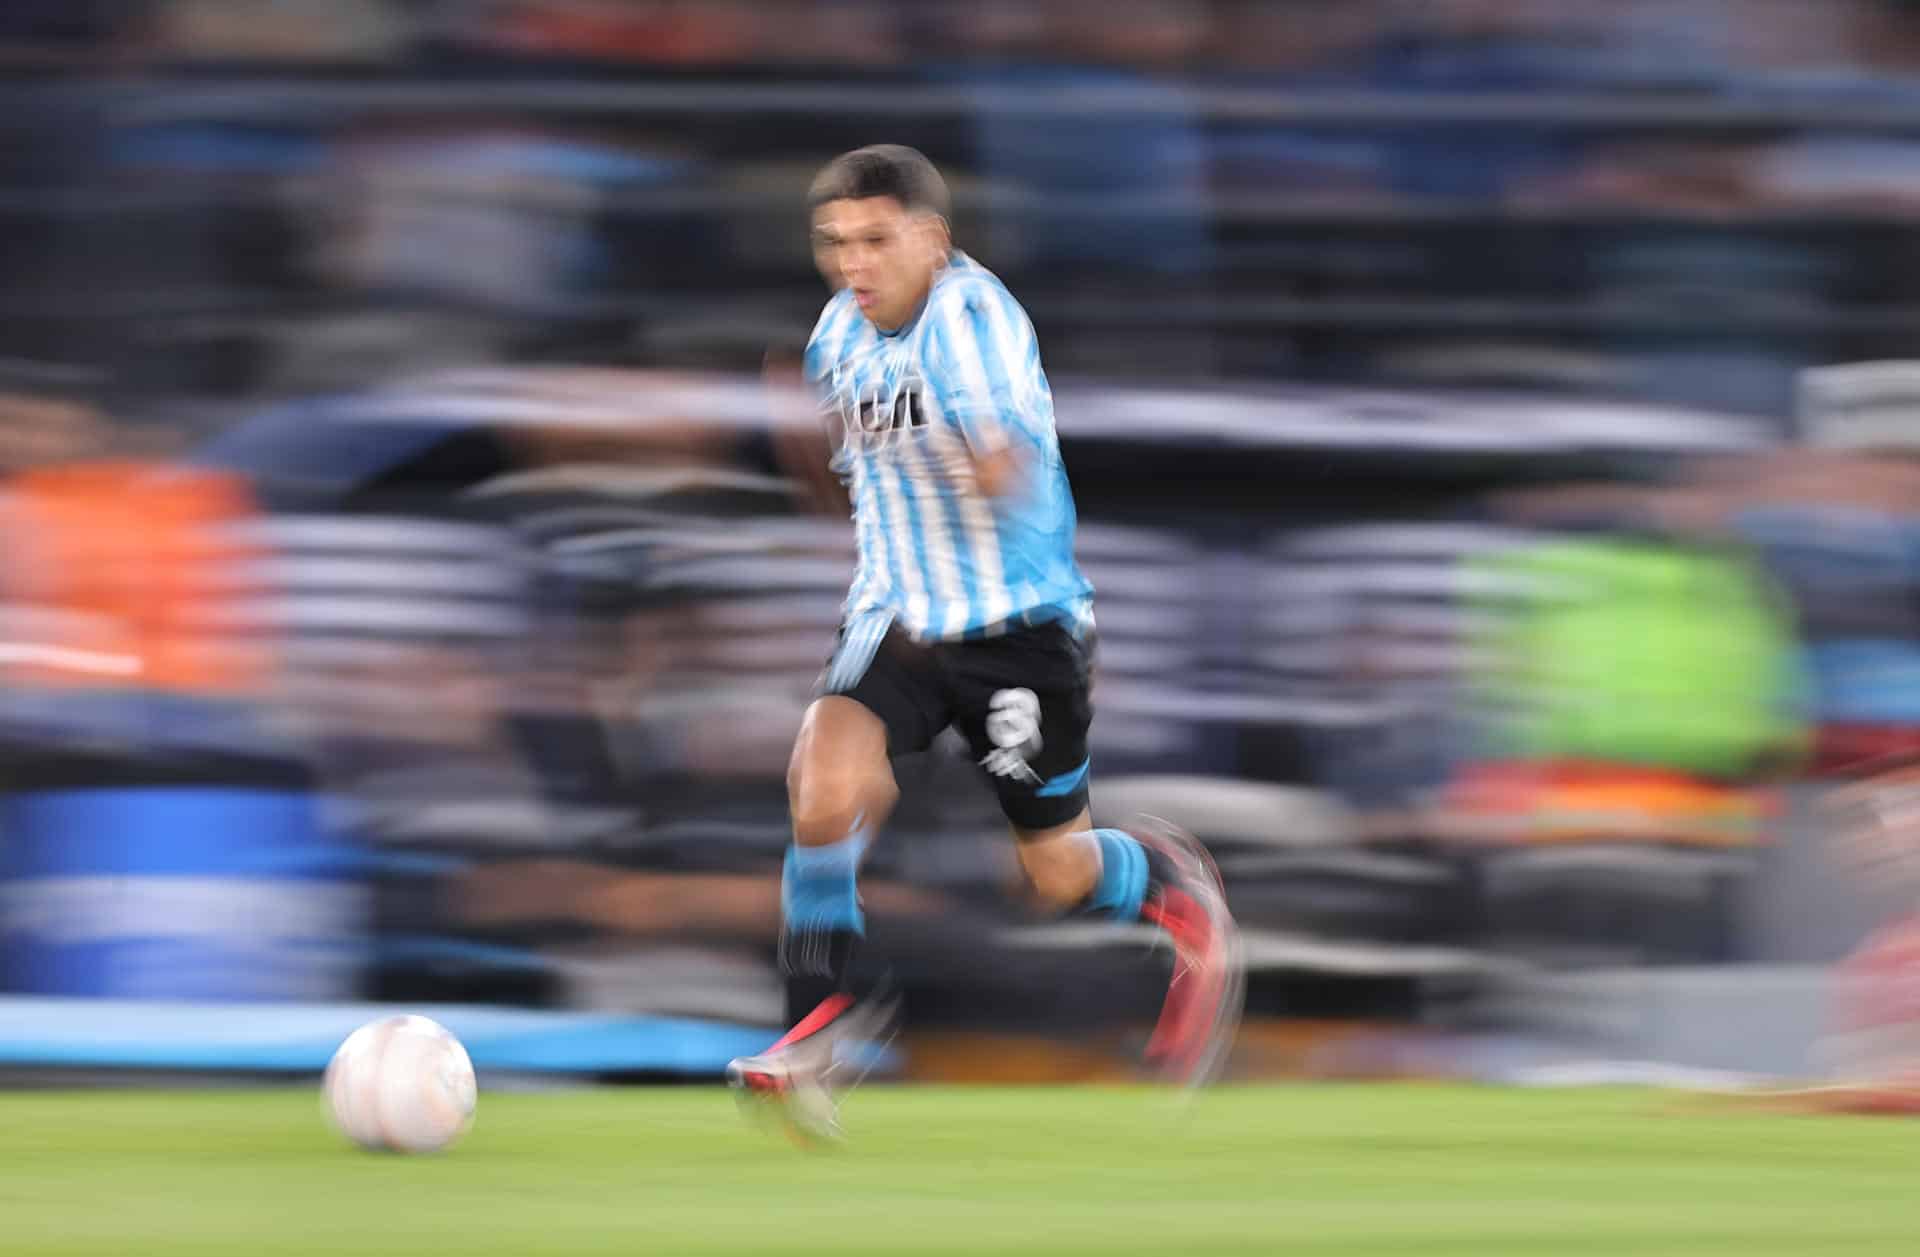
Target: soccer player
(967, 609)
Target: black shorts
(1021, 699)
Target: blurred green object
(1351, 1170)
(1635, 652)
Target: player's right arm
(803, 446)
(810, 450)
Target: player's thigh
(1023, 702)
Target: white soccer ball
(401, 1084)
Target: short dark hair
(892, 170)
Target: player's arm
(981, 346)
(805, 450)
(997, 473)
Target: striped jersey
(937, 554)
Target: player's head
(880, 228)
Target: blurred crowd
(1639, 42)
(1685, 201)
(410, 575)
(519, 653)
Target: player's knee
(1062, 867)
(827, 806)
(839, 776)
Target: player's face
(887, 255)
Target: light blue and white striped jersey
(945, 559)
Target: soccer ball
(401, 1084)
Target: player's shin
(822, 923)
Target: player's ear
(938, 236)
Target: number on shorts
(1013, 720)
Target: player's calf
(1079, 870)
(1062, 865)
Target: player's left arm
(983, 348)
(999, 472)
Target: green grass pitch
(1295, 1170)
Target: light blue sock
(819, 886)
(1123, 877)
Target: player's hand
(999, 473)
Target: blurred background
(1490, 420)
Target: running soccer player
(967, 609)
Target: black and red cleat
(802, 1078)
(1207, 992)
